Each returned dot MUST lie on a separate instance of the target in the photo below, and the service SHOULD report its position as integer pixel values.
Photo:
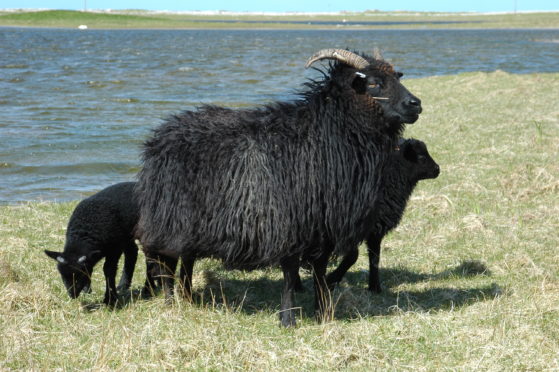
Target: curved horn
(341, 55)
(377, 54)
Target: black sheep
(406, 166)
(102, 225)
(268, 186)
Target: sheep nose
(414, 102)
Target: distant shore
(276, 14)
(141, 19)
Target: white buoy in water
(82, 27)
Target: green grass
(471, 276)
(72, 19)
(143, 19)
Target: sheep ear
(409, 153)
(359, 83)
(56, 256)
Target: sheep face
(401, 106)
(374, 83)
(421, 164)
(381, 85)
(75, 270)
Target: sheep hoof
(146, 293)
(287, 319)
(110, 300)
(123, 288)
(299, 288)
(375, 289)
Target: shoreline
(278, 28)
(366, 13)
(289, 21)
(55, 197)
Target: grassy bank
(366, 20)
(471, 276)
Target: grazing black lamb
(268, 186)
(102, 225)
(406, 166)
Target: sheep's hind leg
(130, 258)
(290, 267)
(348, 260)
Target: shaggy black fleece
(405, 167)
(254, 186)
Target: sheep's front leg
(290, 267)
(109, 269)
(130, 258)
(373, 248)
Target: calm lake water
(75, 105)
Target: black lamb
(102, 225)
(268, 186)
(406, 166)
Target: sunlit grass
(470, 277)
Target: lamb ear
(409, 153)
(56, 256)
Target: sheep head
(75, 270)
(420, 165)
(376, 84)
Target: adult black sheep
(268, 186)
(406, 166)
